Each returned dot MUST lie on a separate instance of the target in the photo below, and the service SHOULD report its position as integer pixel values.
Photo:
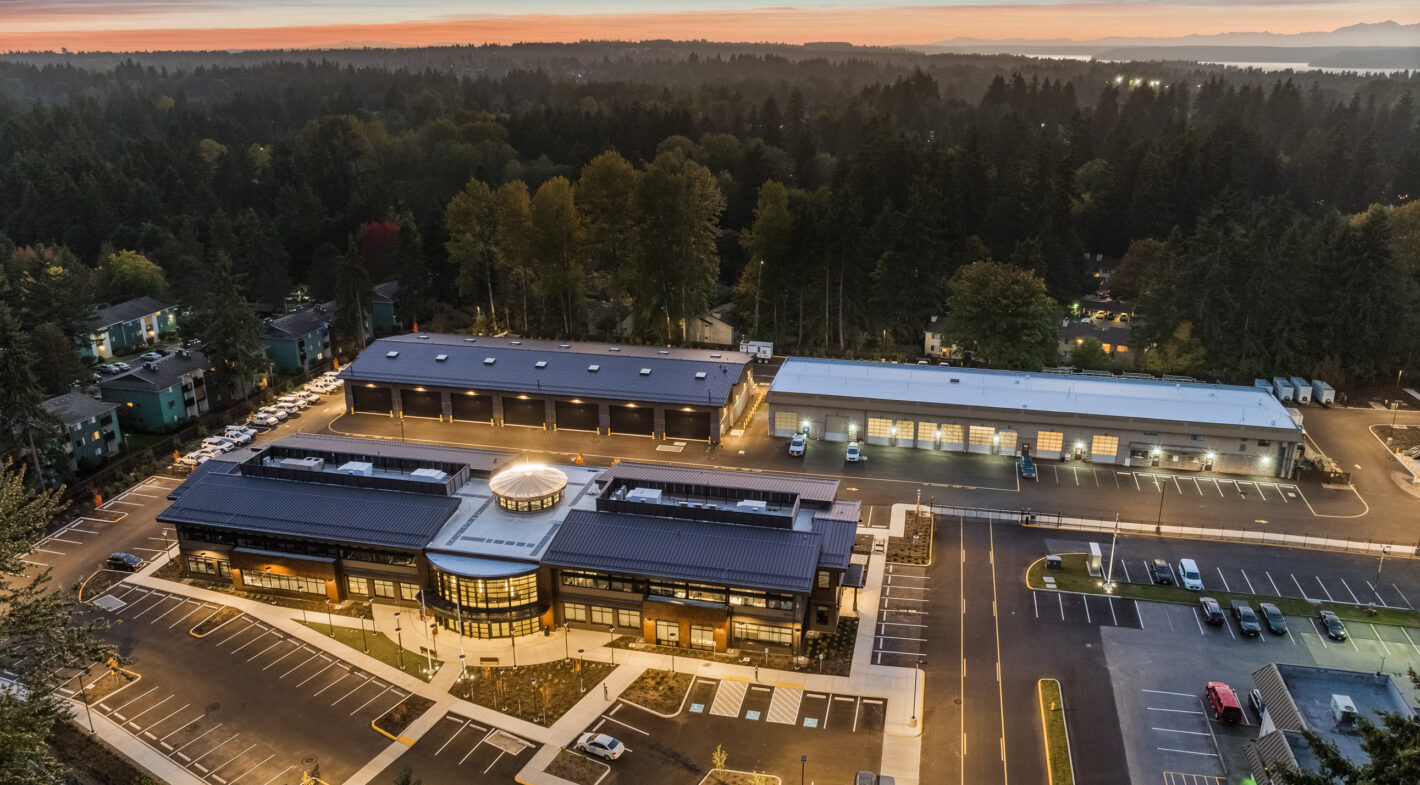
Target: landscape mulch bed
(915, 544)
(558, 687)
(730, 777)
(219, 617)
(99, 583)
(836, 648)
(107, 684)
(406, 711)
(576, 768)
(1402, 438)
(89, 760)
(659, 690)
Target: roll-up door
(1104, 449)
(373, 400)
(1048, 444)
(928, 434)
(633, 420)
(420, 403)
(982, 438)
(879, 430)
(521, 411)
(1006, 443)
(472, 408)
(577, 416)
(837, 428)
(786, 423)
(687, 425)
(903, 431)
(953, 437)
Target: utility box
(1322, 393)
(1053, 563)
(1302, 389)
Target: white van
(1189, 576)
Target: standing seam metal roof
(75, 407)
(721, 553)
(476, 460)
(304, 321)
(809, 489)
(672, 377)
(127, 311)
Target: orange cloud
(872, 26)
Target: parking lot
(241, 727)
(762, 727)
(901, 635)
(1083, 475)
(458, 749)
(78, 543)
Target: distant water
(1259, 66)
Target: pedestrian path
(784, 707)
(729, 697)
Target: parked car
(796, 444)
(194, 459)
(1026, 467)
(1212, 611)
(121, 367)
(108, 368)
(854, 453)
(600, 745)
(307, 396)
(1189, 576)
(1124, 317)
(299, 403)
(126, 562)
(238, 434)
(1247, 619)
(1335, 629)
(1255, 699)
(1224, 702)
(289, 407)
(264, 420)
(274, 411)
(1161, 573)
(1272, 615)
(219, 443)
(319, 386)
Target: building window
(702, 637)
(585, 580)
(201, 565)
(1263, 443)
(756, 599)
(626, 618)
(409, 591)
(574, 611)
(383, 588)
(604, 617)
(823, 579)
(761, 633)
(1195, 437)
(488, 592)
(357, 585)
(667, 633)
(501, 629)
(821, 614)
(284, 582)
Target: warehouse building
(1099, 419)
(498, 547)
(632, 390)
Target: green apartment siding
(382, 317)
(94, 440)
(127, 337)
(153, 411)
(297, 355)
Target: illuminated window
(951, 434)
(982, 434)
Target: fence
(1028, 517)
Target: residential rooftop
(166, 372)
(126, 311)
(569, 368)
(76, 407)
(1019, 392)
(304, 321)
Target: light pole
(803, 761)
(85, 693)
(766, 656)
(399, 640)
(514, 639)
(565, 633)
(463, 673)
(580, 684)
(534, 688)
(363, 641)
(1159, 521)
(611, 642)
(916, 668)
(329, 619)
(1384, 550)
(166, 545)
(673, 641)
(1109, 573)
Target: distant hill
(1379, 34)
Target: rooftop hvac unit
(437, 475)
(1343, 712)
(489, 360)
(305, 464)
(753, 504)
(361, 468)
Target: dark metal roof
(74, 407)
(758, 557)
(838, 537)
(672, 376)
(287, 508)
(386, 290)
(810, 489)
(166, 372)
(479, 461)
(305, 321)
(136, 308)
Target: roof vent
(593, 368)
(540, 364)
(663, 351)
(438, 358)
(391, 355)
(700, 374)
(956, 380)
(516, 343)
(613, 348)
(470, 340)
(645, 371)
(489, 360)
(564, 345)
(716, 356)
(422, 336)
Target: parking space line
(145, 711)
(495, 761)
(197, 606)
(300, 647)
(1058, 596)
(353, 690)
(1198, 621)
(1408, 640)
(1086, 602)
(181, 603)
(235, 633)
(347, 675)
(1379, 638)
(1224, 579)
(214, 749)
(1166, 692)
(1175, 711)
(314, 654)
(1378, 594)
(1173, 730)
(372, 700)
(264, 632)
(1260, 494)
(1034, 598)
(279, 640)
(1348, 591)
(1275, 590)
(454, 734)
(130, 700)
(1125, 564)
(1402, 596)
(1299, 587)
(1250, 590)
(1323, 588)
(278, 776)
(189, 743)
(233, 781)
(158, 602)
(175, 730)
(229, 760)
(625, 724)
(1139, 614)
(1135, 475)
(319, 672)
(167, 716)
(1188, 752)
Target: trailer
(1302, 388)
(761, 351)
(1322, 393)
(1262, 383)
(1282, 388)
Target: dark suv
(126, 562)
(1212, 612)
(1247, 619)
(1161, 573)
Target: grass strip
(1074, 577)
(381, 648)
(1057, 738)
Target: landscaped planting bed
(660, 691)
(539, 693)
(915, 544)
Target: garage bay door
(927, 435)
(786, 423)
(531, 412)
(633, 420)
(1006, 443)
(879, 430)
(982, 438)
(472, 408)
(416, 403)
(1104, 449)
(837, 428)
(688, 425)
(577, 416)
(374, 400)
(953, 437)
(1048, 444)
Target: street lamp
(1159, 520)
(329, 619)
(565, 633)
(1384, 550)
(803, 761)
(166, 546)
(673, 637)
(611, 642)
(85, 693)
(580, 686)
(399, 640)
(514, 638)
(916, 668)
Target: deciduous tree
(1003, 316)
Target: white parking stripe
(1224, 579)
(1186, 752)
(1166, 692)
(1323, 588)
(1402, 596)
(319, 672)
(1299, 587)
(1125, 565)
(455, 733)
(1275, 590)
(279, 641)
(1410, 641)
(134, 698)
(229, 760)
(233, 781)
(278, 776)
(1174, 730)
(1378, 594)
(1348, 591)
(1250, 590)
(185, 746)
(1379, 638)
(1175, 711)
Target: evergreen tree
(230, 333)
(353, 300)
(677, 260)
(56, 365)
(30, 429)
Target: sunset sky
(259, 24)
